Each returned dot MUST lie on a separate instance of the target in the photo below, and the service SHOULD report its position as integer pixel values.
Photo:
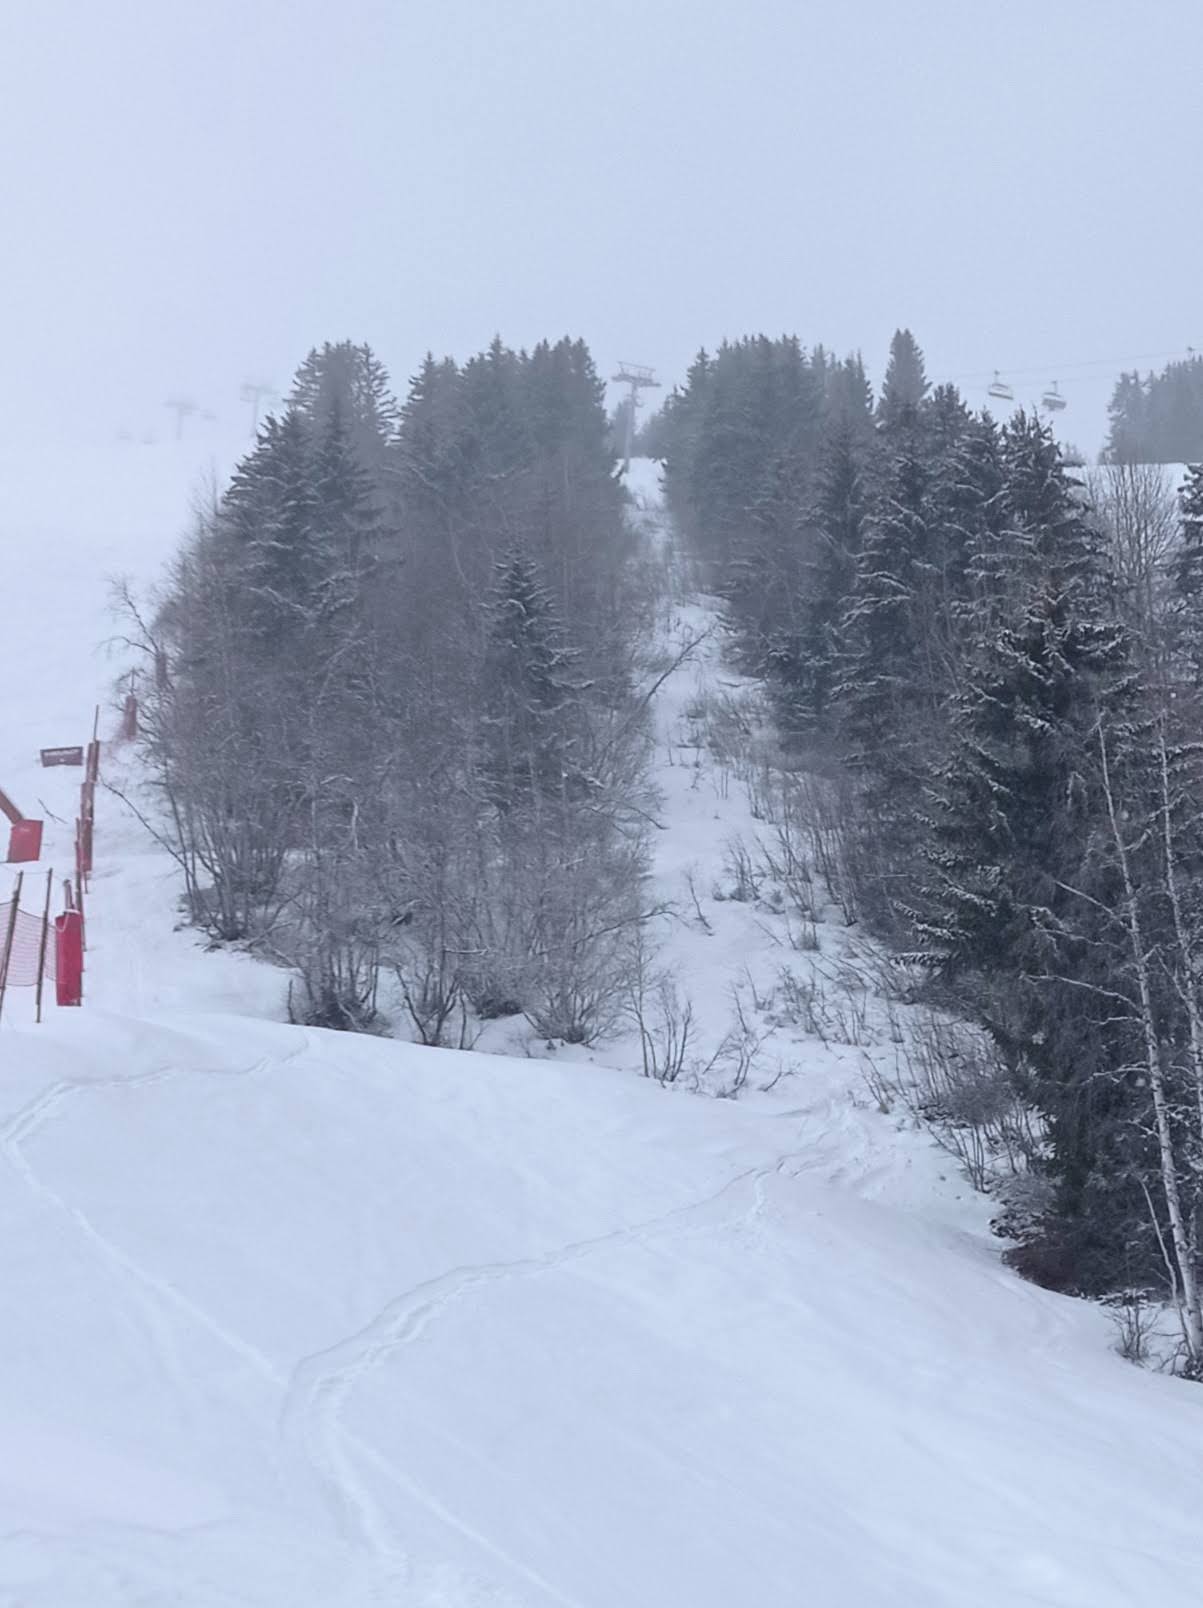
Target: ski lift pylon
(998, 387)
(1052, 399)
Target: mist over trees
(1158, 419)
(395, 719)
(998, 671)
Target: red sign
(24, 842)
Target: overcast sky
(194, 192)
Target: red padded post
(69, 958)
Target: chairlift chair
(999, 388)
(1052, 399)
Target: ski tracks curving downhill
(157, 1300)
(323, 1383)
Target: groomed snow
(296, 1318)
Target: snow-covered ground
(295, 1318)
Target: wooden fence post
(43, 943)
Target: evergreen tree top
(1158, 419)
(347, 379)
(906, 383)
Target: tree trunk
(1188, 1290)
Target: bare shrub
(432, 986)
(1134, 1319)
(802, 1002)
(330, 933)
(741, 882)
(738, 1051)
(817, 811)
(577, 999)
(762, 781)
(802, 933)
(884, 1088)
(729, 721)
(338, 967)
(699, 915)
(587, 924)
(662, 1015)
(952, 1077)
(494, 986)
(784, 859)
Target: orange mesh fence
(27, 944)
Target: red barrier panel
(69, 958)
(24, 842)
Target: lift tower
(256, 392)
(638, 378)
(183, 407)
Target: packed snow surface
(293, 1318)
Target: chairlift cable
(1179, 353)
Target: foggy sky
(194, 192)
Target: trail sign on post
(25, 839)
(24, 842)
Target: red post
(87, 810)
(69, 958)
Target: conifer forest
(399, 727)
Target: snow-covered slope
(294, 1318)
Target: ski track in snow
(318, 1388)
(156, 1297)
(322, 1384)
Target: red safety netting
(27, 943)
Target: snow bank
(452, 1328)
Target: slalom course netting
(27, 943)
